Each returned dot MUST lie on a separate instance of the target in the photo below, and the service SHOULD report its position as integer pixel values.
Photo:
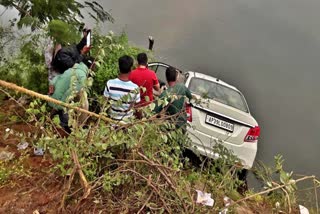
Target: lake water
(268, 49)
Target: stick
(168, 210)
(316, 194)
(14, 87)
(61, 208)
(51, 100)
(145, 203)
(270, 190)
(83, 179)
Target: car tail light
(189, 112)
(253, 134)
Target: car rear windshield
(218, 92)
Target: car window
(160, 70)
(161, 73)
(153, 67)
(218, 92)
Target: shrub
(27, 68)
(107, 50)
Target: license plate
(219, 123)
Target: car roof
(165, 65)
(197, 74)
(211, 78)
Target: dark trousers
(64, 119)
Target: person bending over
(65, 57)
(70, 86)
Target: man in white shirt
(121, 92)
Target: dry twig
(271, 190)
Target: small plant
(12, 168)
(274, 177)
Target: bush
(27, 69)
(140, 164)
(107, 50)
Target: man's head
(142, 59)
(171, 74)
(125, 64)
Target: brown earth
(37, 190)
(33, 191)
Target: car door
(160, 69)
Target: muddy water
(270, 50)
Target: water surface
(268, 49)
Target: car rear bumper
(203, 144)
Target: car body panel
(203, 144)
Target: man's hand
(51, 89)
(163, 88)
(157, 87)
(85, 50)
(85, 31)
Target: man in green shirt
(69, 86)
(176, 95)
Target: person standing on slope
(146, 78)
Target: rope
(51, 100)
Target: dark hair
(142, 59)
(88, 61)
(171, 74)
(125, 64)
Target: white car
(223, 118)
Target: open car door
(160, 69)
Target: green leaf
(152, 106)
(97, 64)
(147, 98)
(103, 53)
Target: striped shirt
(122, 96)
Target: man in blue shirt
(121, 92)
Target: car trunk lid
(222, 121)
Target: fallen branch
(316, 193)
(145, 203)
(287, 195)
(148, 163)
(166, 178)
(83, 180)
(149, 182)
(272, 189)
(31, 93)
(61, 208)
(51, 100)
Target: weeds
(12, 168)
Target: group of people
(130, 90)
(134, 88)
